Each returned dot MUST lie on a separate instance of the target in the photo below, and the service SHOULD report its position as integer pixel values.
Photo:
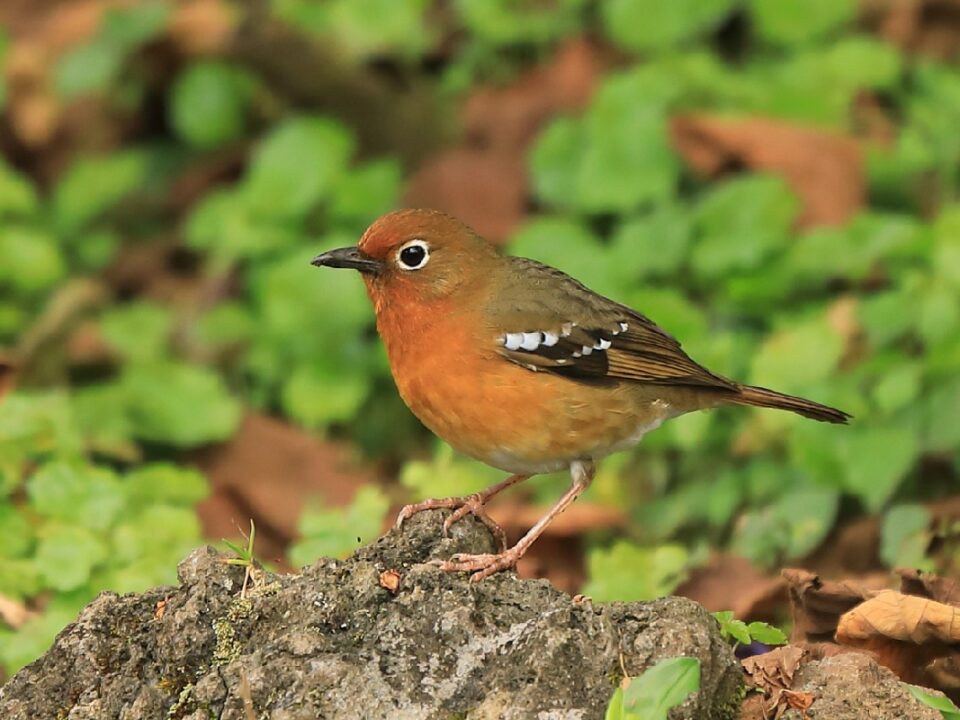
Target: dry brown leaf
(14, 613)
(390, 581)
(202, 27)
(905, 618)
(824, 169)
(928, 585)
(817, 605)
(510, 117)
(267, 472)
(905, 632)
(773, 673)
(486, 189)
(8, 376)
(775, 669)
(928, 27)
(730, 582)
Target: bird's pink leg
(486, 564)
(466, 505)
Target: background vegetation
(171, 167)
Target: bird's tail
(761, 397)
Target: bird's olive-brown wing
(546, 321)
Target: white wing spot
(512, 341)
(575, 354)
(530, 341)
(587, 350)
(550, 338)
(566, 329)
(602, 345)
(623, 327)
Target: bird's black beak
(348, 257)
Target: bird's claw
(482, 565)
(461, 506)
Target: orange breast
(449, 373)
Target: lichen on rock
(333, 642)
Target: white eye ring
(413, 255)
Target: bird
(517, 364)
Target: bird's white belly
(513, 461)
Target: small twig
(246, 696)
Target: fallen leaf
(928, 27)
(14, 613)
(390, 581)
(8, 377)
(817, 605)
(928, 585)
(267, 472)
(487, 190)
(510, 117)
(730, 582)
(824, 169)
(775, 669)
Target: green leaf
(315, 398)
(128, 27)
(940, 430)
(651, 245)
(730, 627)
(905, 536)
(209, 103)
(365, 192)
(95, 184)
(19, 579)
(295, 167)
(334, 532)
(899, 387)
(767, 634)
(177, 404)
(660, 688)
(617, 157)
(76, 493)
(223, 224)
(88, 68)
(794, 22)
(654, 25)
(446, 475)
(740, 223)
(379, 27)
(147, 546)
(16, 532)
(630, 572)
(808, 514)
(798, 356)
(66, 555)
(937, 702)
(138, 331)
(30, 259)
(877, 461)
(165, 483)
(505, 22)
(18, 197)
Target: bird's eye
(413, 255)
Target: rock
(851, 686)
(349, 639)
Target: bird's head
(415, 255)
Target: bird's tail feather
(762, 397)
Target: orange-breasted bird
(520, 366)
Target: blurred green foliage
(863, 316)
(651, 695)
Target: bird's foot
(481, 565)
(461, 506)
